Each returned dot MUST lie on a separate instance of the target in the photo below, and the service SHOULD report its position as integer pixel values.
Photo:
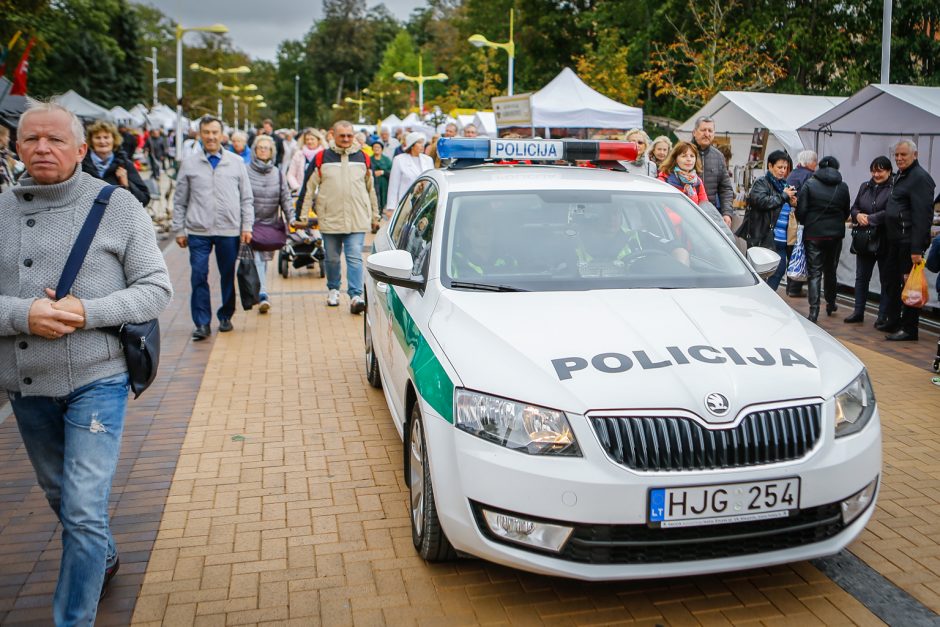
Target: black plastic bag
(249, 283)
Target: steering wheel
(635, 256)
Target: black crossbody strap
(77, 256)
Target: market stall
(82, 107)
(567, 107)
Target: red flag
(19, 76)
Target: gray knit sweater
(124, 279)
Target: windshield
(552, 240)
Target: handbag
(249, 283)
(796, 268)
(140, 342)
(866, 240)
(270, 237)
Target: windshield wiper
(485, 287)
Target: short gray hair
(909, 142)
(806, 157)
(702, 119)
(640, 132)
(241, 136)
(75, 125)
(263, 140)
(342, 124)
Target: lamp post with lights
(420, 79)
(509, 46)
(180, 31)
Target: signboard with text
(513, 110)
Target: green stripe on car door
(429, 376)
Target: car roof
(523, 177)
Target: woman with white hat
(407, 167)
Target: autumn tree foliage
(710, 57)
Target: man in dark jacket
(907, 231)
(822, 207)
(156, 150)
(267, 128)
(717, 181)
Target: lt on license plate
(723, 504)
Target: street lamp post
(419, 79)
(297, 102)
(381, 95)
(359, 102)
(180, 31)
(219, 71)
(236, 90)
(156, 73)
(510, 47)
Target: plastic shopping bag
(915, 288)
(796, 268)
(249, 283)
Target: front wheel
(426, 532)
(372, 363)
(282, 264)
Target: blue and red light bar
(535, 149)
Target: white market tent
(121, 115)
(463, 120)
(391, 122)
(567, 102)
(868, 125)
(82, 107)
(870, 122)
(485, 121)
(738, 113)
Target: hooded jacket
(909, 210)
(822, 205)
(340, 181)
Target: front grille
(640, 544)
(677, 444)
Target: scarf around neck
(689, 182)
(778, 184)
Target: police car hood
(639, 349)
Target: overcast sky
(258, 27)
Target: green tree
(606, 68)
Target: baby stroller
(304, 247)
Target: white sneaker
(332, 299)
(357, 305)
(264, 306)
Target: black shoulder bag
(140, 342)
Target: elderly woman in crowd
(382, 170)
(239, 145)
(10, 168)
(106, 160)
(642, 164)
(407, 167)
(311, 142)
(822, 208)
(272, 202)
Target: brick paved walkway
(287, 504)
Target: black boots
(831, 308)
(813, 314)
(855, 318)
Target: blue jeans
(73, 443)
(226, 254)
(334, 245)
(774, 281)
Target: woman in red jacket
(681, 170)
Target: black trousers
(864, 268)
(898, 263)
(822, 261)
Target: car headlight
(521, 427)
(854, 405)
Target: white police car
(591, 381)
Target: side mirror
(764, 261)
(394, 267)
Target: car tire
(372, 362)
(283, 266)
(426, 532)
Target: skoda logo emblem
(717, 404)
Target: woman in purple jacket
(868, 210)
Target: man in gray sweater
(65, 374)
(212, 208)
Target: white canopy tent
(870, 122)
(121, 115)
(485, 121)
(567, 102)
(82, 107)
(738, 113)
(463, 120)
(391, 122)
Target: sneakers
(108, 576)
(357, 305)
(332, 299)
(264, 305)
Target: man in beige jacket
(340, 189)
